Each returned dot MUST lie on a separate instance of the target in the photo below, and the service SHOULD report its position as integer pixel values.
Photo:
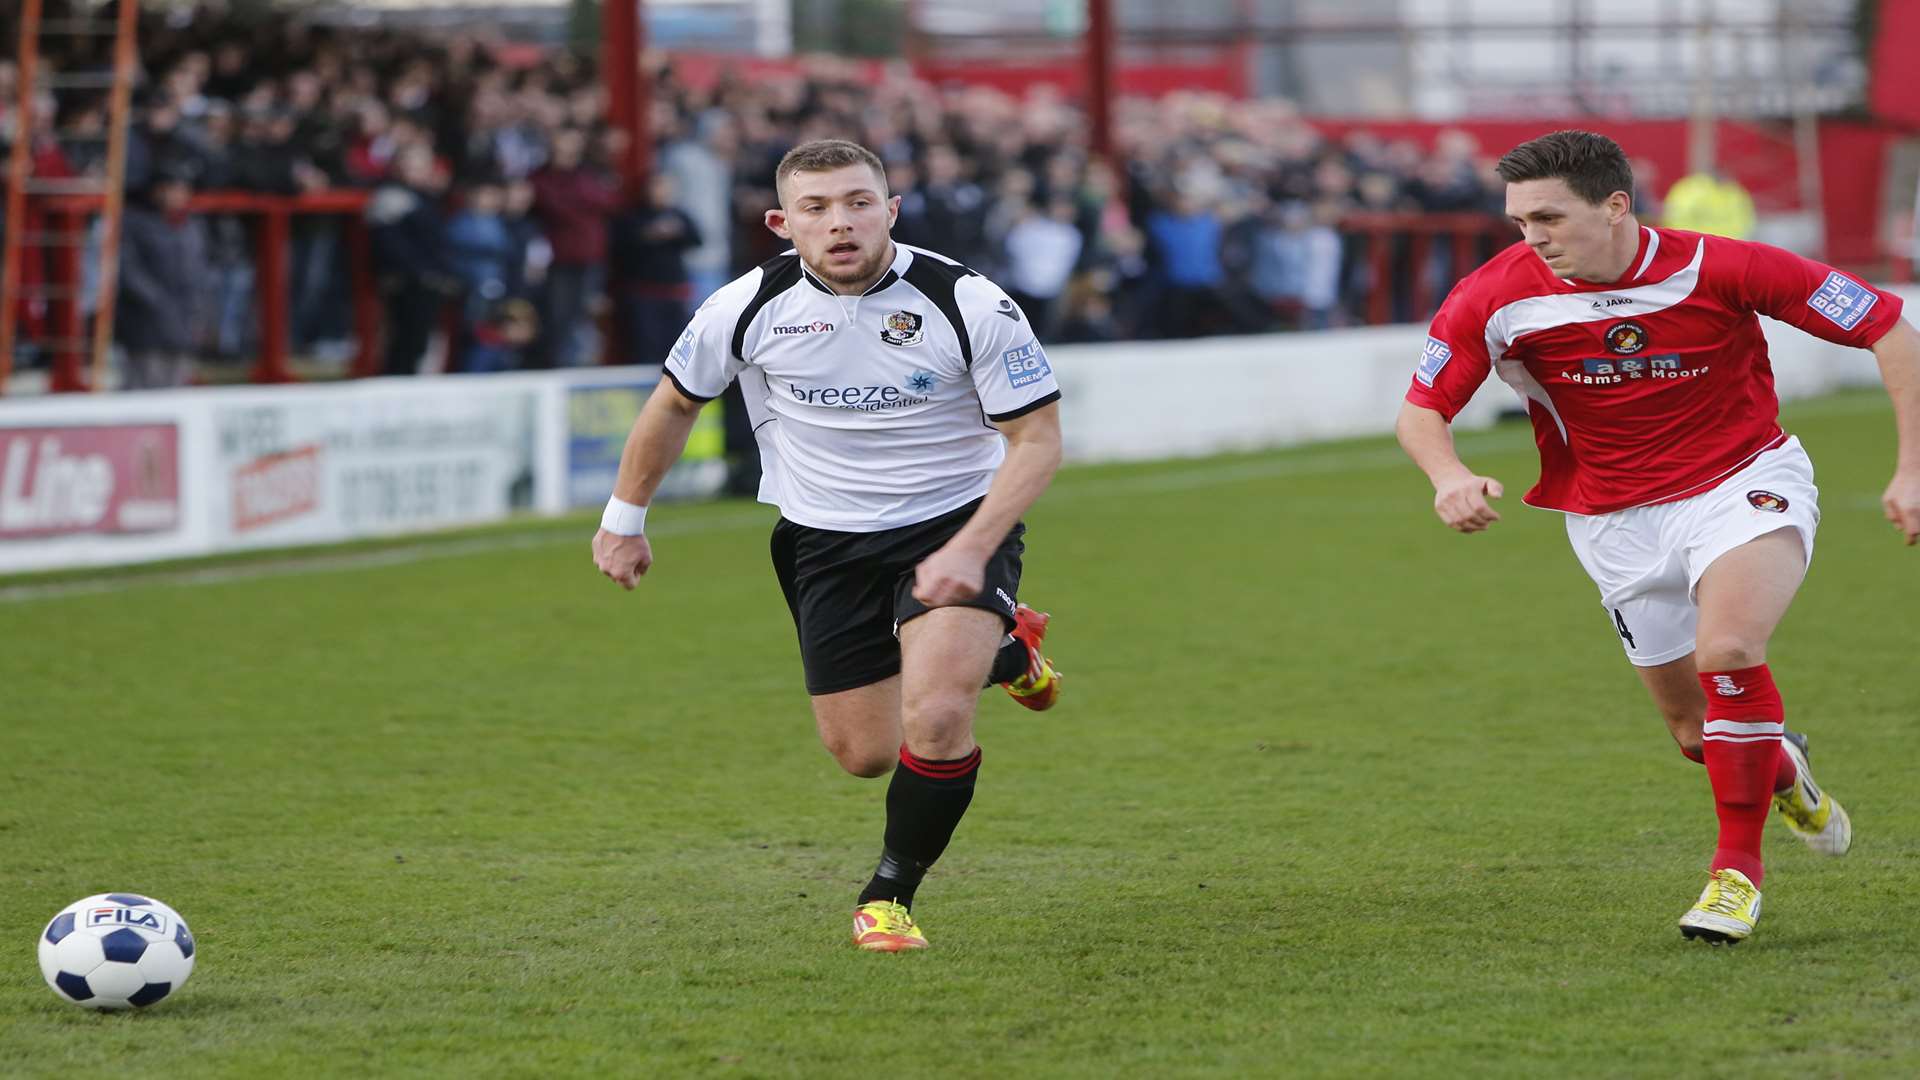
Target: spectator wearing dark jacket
(573, 200)
(410, 258)
(649, 260)
(162, 256)
(953, 219)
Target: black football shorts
(850, 592)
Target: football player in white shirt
(907, 418)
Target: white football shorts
(1648, 560)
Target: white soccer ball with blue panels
(116, 951)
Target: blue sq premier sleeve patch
(683, 349)
(1843, 301)
(1026, 365)
(1436, 356)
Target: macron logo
(805, 328)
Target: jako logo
(805, 328)
(1726, 687)
(1614, 301)
(121, 916)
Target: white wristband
(624, 518)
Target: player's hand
(949, 577)
(622, 558)
(1463, 504)
(1902, 504)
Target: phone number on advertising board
(424, 491)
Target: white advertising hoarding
(92, 480)
(292, 472)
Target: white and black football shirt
(872, 411)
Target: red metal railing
(69, 214)
(1471, 235)
(1397, 272)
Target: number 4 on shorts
(1620, 624)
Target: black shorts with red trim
(849, 593)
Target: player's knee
(863, 759)
(937, 722)
(1690, 746)
(1684, 718)
(1730, 652)
(869, 766)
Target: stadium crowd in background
(493, 197)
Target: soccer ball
(116, 951)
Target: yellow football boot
(1814, 816)
(1726, 911)
(1039, 688)
(884, 926)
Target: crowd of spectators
(496, 216)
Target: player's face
(838, 222)
(1571, 234)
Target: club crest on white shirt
(903, 328)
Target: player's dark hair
(1593, 165)
(825, 155)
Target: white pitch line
(362, 560)
(290, 566)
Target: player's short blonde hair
(825, 155)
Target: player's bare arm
(956, 571)
(1898, 352)
(1460, 497)
(659, 436)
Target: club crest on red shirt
(1626, 338)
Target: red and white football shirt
(1651, 388)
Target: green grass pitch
(1333, 791)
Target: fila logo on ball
(123, 916)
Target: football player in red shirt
(1638, 351)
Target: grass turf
(1333, 791)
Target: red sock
(1784, 771)
(1741, 742)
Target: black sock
(1009, 663)
(925, 801)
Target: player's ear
(1619, 205)
(893, 210)
(777, 221)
